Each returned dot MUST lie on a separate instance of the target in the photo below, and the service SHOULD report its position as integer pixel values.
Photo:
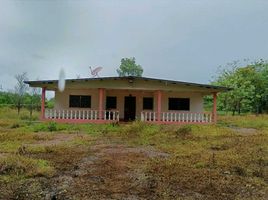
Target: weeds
(205, 160)
(20, 165)
(184, 131)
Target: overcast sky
(182, 39)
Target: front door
(130, 108)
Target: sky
(184, 40)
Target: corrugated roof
(220, 88)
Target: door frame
(131, 106)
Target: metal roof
(41, 82)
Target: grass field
(133, 161)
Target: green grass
(246, 121)
(21, 165)
(206, 159)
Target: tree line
(249, 85)
(22, 96)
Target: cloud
(182, 40)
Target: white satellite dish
(95, 72)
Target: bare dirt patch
(57, 139)
(244, 131)
(112, 171)
(106, 170)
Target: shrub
(15, 125)
(184, 131)
(134, 129)
(239, 171)
(20, 165)
(25, 117)
(52, 126)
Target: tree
(249, 87)
(20, 90)
(33, 100)
(128, 67)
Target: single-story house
(112, 99)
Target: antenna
(95, 72)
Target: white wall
(62, 98)
(196, 100)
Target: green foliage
(129, 67)
(49, 126)
(249, 88)
(50, 103)
(6, 99)
(52, 126)
(20, 165)
(20, 90)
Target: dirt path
(244, 131)
(113, 171)
(57, 139)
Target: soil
(109, 169)
(244, 131)
(106, 170)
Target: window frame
(152, 103)
(179, 107)
(111, 108)
(80, 104)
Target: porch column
(43, 103)
(214, 113)
(101, 94)
(159, 104)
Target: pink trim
(214, 112)
(168, 118)
(43, 99)
(80, 121)
(187, 112)
(101, 94)
(167, 122)
(159, 103)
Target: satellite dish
(95, 72)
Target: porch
(81, 116)
(98, 114)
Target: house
(111, 99)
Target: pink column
(159, 103)
(43, 103)
(101, 94)
(214, 113)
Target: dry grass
(247, 121)
(204, 162)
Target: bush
(134, 129)
(184, 131)
(239, 171)
(15, 125)
(52, 126)
(20, 165)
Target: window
(179, 104)
(79, 101)
(148, 103)
(110, 102)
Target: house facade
(112, 99)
